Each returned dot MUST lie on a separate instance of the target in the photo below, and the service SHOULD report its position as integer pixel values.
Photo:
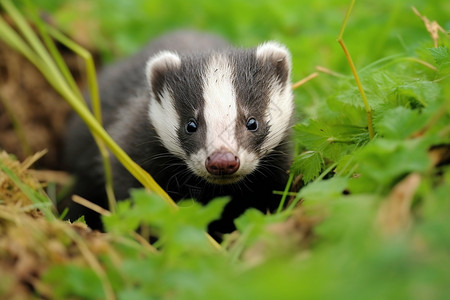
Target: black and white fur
(186, 108)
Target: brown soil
(32, 114)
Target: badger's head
(222, 112)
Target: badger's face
(224, 111)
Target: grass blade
(43, 61)
(355, 73)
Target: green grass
(378, 209)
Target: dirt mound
(32, 114)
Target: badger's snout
(222, 163)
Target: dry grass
(30, 242)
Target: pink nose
(222, 163)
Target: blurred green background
(309, 28)
(376, 29)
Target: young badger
(204, 119)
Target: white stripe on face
(220, 110)
(220, 115)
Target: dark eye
(191, 126)
(252, 124)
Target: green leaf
(330, 140)
(324, 189)
(345, 165)
(250, 218)
(399, 123)
(349, 95)
(78, 281)
(252, 224)
(149, 208)
(201, 216)
(124, 220)
(136, 269)
(347, 217)
(309, 163)
(416, 93)
(133, 294)
(312, 135)
(345, 107)
(441, 57)
(384, 161)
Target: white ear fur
(162, 113)
(161, 62)
(274, 51)
(281, 104)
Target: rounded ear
(278, 56)
(157, 67)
